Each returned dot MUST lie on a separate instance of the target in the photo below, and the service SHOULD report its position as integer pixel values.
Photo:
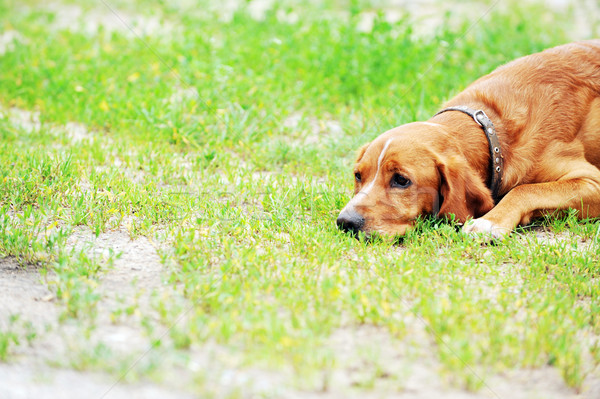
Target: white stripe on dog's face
(367, 189)
(379, 160)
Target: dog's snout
(350, 221)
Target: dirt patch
(108, 19)
(138, 265)
(426, 16)
(8, 40)
(36, 369)
(371, 358)
(314, 131)
(28, 382)
(26, 121)
(566, 240)
(29, 122)
(23, 292)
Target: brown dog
(538, 151)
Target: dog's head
(407, 172)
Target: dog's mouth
(371, 237)
(361, 226)
(358, 226)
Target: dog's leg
(579, 190)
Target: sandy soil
(372, 357)
(35, 371)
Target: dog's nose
(350, 220)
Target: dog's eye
(400, 181)
(357, 177)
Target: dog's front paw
(485, 228)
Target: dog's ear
(463, 192)
(361, 152)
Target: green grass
(243, 202)
(15, 333)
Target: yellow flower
(133, 77)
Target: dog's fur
(546, 110)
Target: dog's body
(546, 111)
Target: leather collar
(496, 158)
